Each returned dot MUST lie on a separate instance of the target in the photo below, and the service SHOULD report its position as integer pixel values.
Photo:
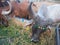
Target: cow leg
(0, 21)
(4, 21)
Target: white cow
(46, 14)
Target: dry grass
(16, 35)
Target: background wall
(39, 0)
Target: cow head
(4, 12)
(36, 32)
(40, 19)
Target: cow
(46, 16)
(18, 10)
(3, 19)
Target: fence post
(57, 35)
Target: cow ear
(42, 11)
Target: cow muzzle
(35, 39)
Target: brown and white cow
(18, 10)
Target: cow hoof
(35, 41)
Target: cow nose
(34, 40)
